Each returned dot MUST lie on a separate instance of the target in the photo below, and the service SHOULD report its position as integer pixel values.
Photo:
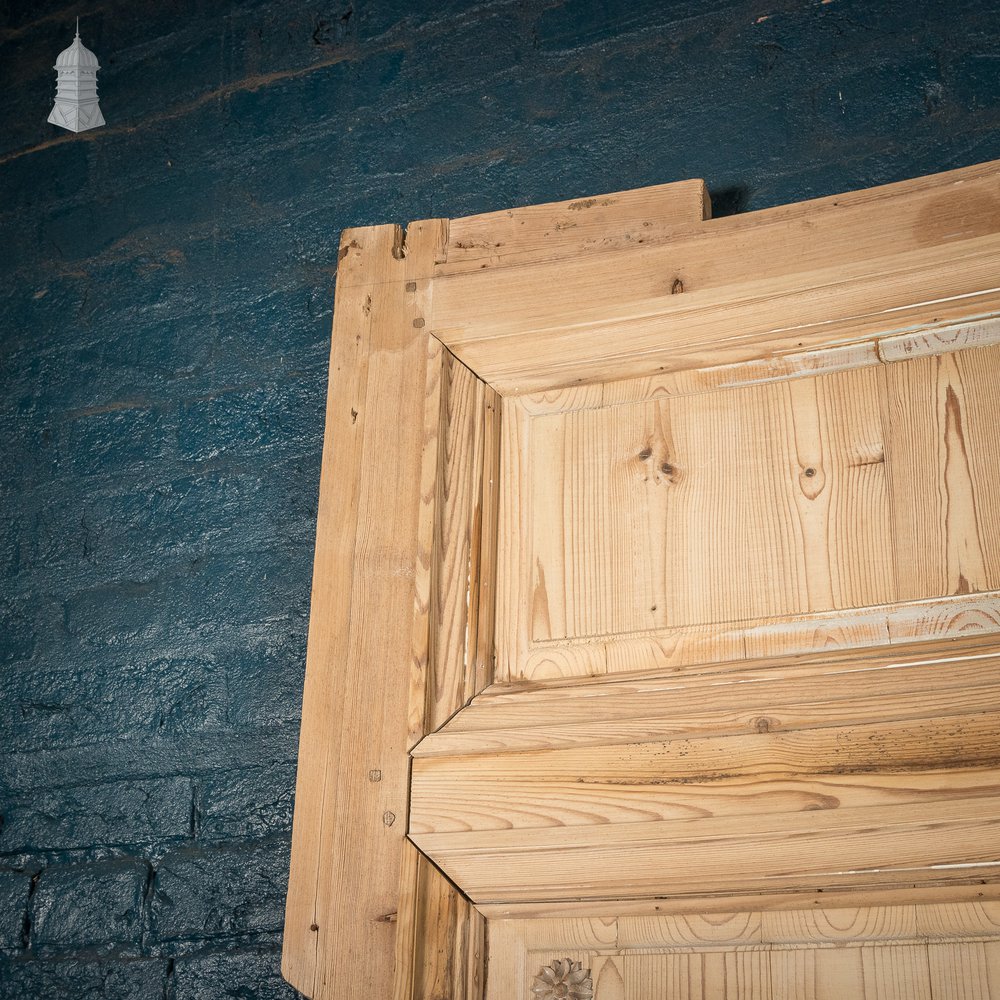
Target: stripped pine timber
(925, 896)
(352, 780)
(366, 685)
(772, 517)
(874, 951)
(902, 843)
(842, 267)
(912, 681)
(930, 340)
(441, 942)
(531, 804)
(568, 229)
(462, 621)
(656, 609)
(602, 841)
(739, 323)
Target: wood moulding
(565, 795)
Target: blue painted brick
(239, 975)
(93, 907)
(122, 439)
(136, 759)
(83, 980)
(14, 890)
(123, 696)
(110, 814)
(22, 620)
(255, 420)
(265, 678)
(247, 803)
(218, 894)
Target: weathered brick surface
(91, 907)
(115, 814)
(241, 975)
(75, 979)
(218, 894)
(166, 285)
(15, 888)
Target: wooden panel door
(655, 636)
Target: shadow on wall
(730, 200)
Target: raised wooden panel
(871, 768)
(703, 527)
(946, 522)
(860, 953)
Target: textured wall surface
(165, 302)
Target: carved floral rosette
(563, 979)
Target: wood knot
(645, 453)
(677, 287)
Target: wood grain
(732, 783)
(936, 338)
(974, 889)
(914, 681)
(569, 229)
(441, 946)
(441, 937)
(755, 285)
(738, 522)
(944, 522)
(350, 812)
(656, 595)
(868, 952)
(457, 556)
(510, 705)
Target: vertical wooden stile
(351, 801)
(443, 953)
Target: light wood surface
(880, 765)
(881, 952)
(364, 907)
(350, 811)
(770, 518)
(656, 600)
(570, 229)
(816, 273)
(766, 696)
(440, 937)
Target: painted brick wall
(165, 293)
